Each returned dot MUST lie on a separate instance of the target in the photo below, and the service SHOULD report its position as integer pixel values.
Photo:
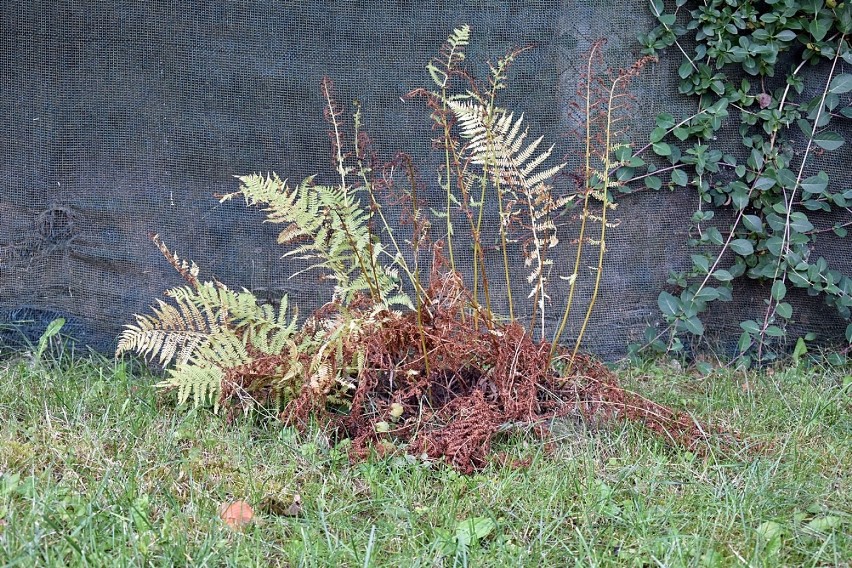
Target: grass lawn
(96, 468)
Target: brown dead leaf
(281, 508)
(236, 514)
(360, 487)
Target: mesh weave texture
(123, 119)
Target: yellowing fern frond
(206, 331)
(335, 227)
(497, 142)
(451, 54)
(173, 332)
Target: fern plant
(205, 331)
(216, 341)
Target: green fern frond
(300, 207)
(271, 332)
(200, 378)
(336, 227)
(202, 383)
(205, 331)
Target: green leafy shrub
(779, 210)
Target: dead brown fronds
(481, 380)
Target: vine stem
(740, 214)
(788, 201)
(657, 14)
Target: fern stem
(418, 303)
(375, 289)
(499, 192)
(332, 116)
(585, 214)
(448, 188)
(362, 172)
(605, 172)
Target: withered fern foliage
(429, 364)
(204, 331)
(497, 143)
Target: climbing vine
(776, 75)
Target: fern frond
(201, 382)
(299, 207)
(451, 54)
(187, 269)
(336, 227)
(497, 142)
(200, 378)
(173, 332)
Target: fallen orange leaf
(237, 514)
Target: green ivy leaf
(739, 199)
(706, 294)
(818, 29)
(798, 279)
(785, 35)
(773, 245)
(714, 236)
(828, 140)
(742, 247)
(784, 310)
(665, 121)
(623, 153)
(816, 184)
(669, 305)
(774, 331)
(679, 177)
(779, 290)
(723, 275)
(750, 326)
(653, 182)
(701, 263)
(805, 126)
(693, 325)
(744, 343)
(764, 183)
(662, 149)
(753, 223)
(799, 222)
(841, 84)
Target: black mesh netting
(122, 119)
